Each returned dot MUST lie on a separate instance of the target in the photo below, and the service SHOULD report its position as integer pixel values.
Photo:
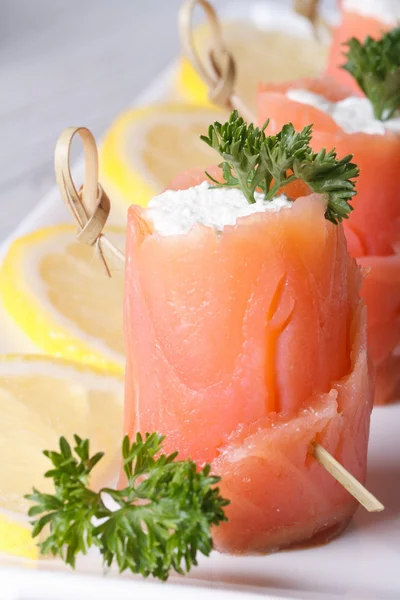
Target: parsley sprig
(164, 514)
(254, 161)
(375, 65)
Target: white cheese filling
(385, 11)
(353, 115)
(175, 212)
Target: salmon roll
(246, 334)
(359, 19)
(359, 126)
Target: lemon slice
(55, 289)
(16, 538)
(146, 148)
(260, 56)
(42, 398)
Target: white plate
(363, 564)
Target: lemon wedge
(56, 291)
(146, 148)
(41, 399)
(260, 56)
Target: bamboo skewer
(307, 8)
(90, 207)
(345, 478)
(220, 72)
(310, 10)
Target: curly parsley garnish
(254, 161)
(163, 516)
(375, 65)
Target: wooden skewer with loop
(219, 72)
(220, 77)
(307, 8)
(90, 205)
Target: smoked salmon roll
(359, 19)
(246, 334)
(373, 229)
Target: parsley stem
(257, 181)
(248, 192)
(278, 185)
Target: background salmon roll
(246, 340)
(373, 230)
(359, 19)
(374, 226)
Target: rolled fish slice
(355, 22)
(373, 229)
(243, 348)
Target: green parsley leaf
(240, 146)
(375, 65)
(254, 161)
(163, 516)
